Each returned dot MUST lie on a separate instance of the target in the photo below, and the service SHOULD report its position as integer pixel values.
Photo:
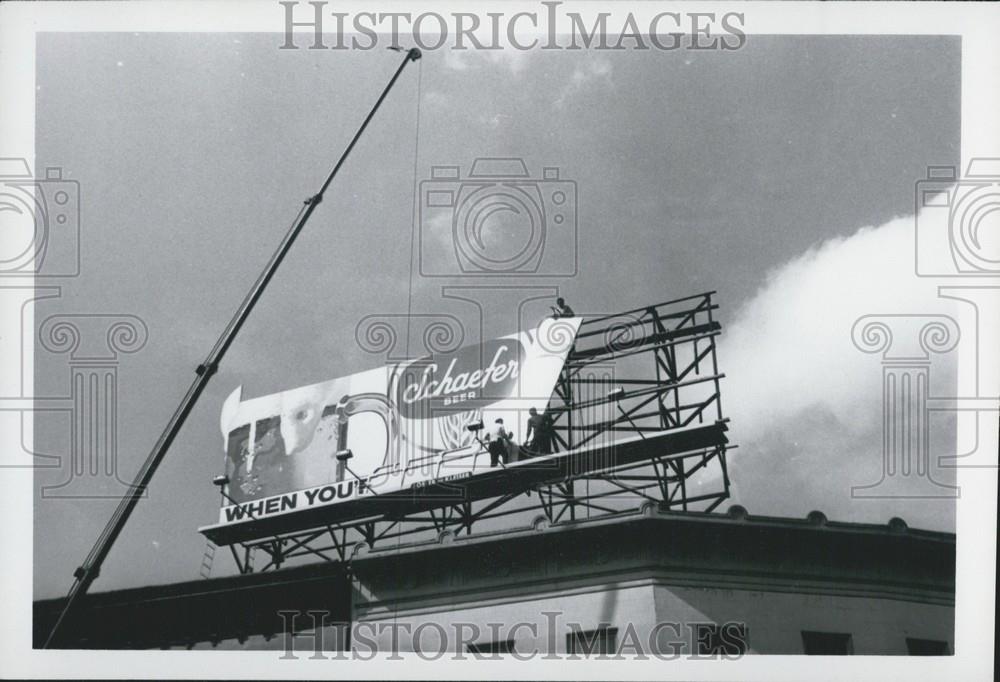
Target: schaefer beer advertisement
(404, 424)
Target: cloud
(789, 348)
(508, 57)
(437, 99)
(805, 403)
(584, 74)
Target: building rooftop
(733, 549)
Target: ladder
(206, 560)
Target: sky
(780, 175)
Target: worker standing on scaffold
(538, 437)
(496, 443)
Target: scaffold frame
(645, 406)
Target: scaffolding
(637, 418)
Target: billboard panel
(405, 424)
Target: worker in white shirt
(497, 441)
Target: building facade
(648, 583)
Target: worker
(497, 440)
(538, 438)
(562, 309)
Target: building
(649, 582)
(667, 578)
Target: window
(603, 640)
(729, 639)
(486, 648)
(926, 647)
(827, 643)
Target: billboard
(405, 424)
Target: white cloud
(789, 349)
(436, 99)
(512, 59)
(806, 404)
(584, 74)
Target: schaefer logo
(463, 380)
